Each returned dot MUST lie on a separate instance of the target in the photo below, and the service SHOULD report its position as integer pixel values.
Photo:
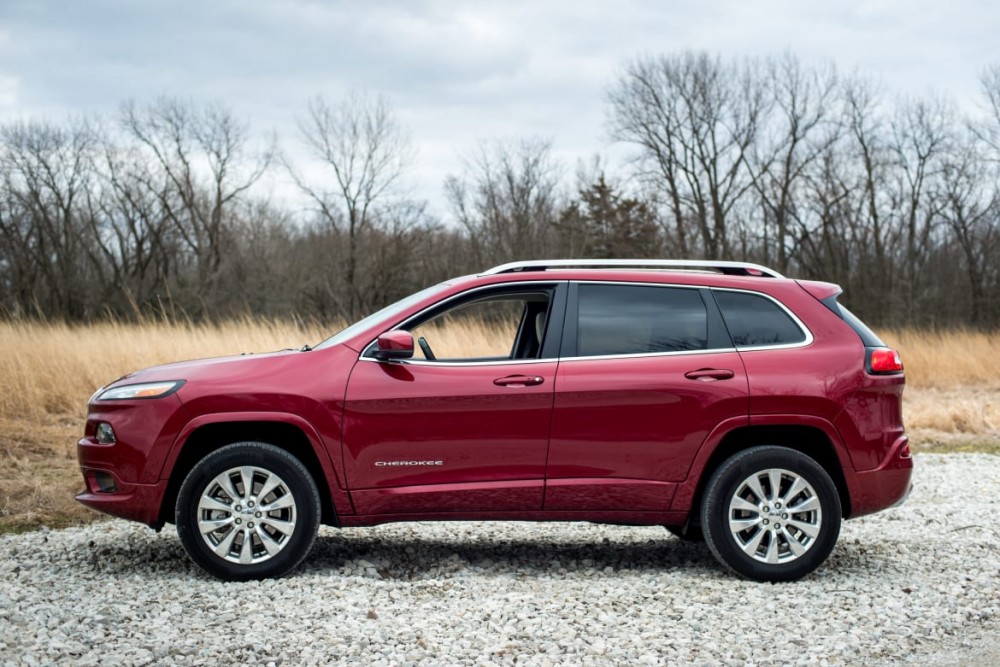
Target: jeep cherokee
(718, 399)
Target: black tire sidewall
(723, 484)
(278, 461)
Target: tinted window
(631, 319)
(756, 320)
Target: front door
(464, 425)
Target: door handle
(519, 381)
(709, 374)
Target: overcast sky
(456, 72)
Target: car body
(626, 389)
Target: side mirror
(396, 344)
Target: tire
(213, 499)
(750, 532)
(692, 534)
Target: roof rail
(728, 268)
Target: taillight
(884, 360)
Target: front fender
(328, 456)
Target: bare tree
(694, 119)
(509, 202)
(919, 141)
(802, 127)
(133, 245)
(774, 160)
(204, 155)
(971, 176)
(987, 130)
(45, 173)
(828, 246)
(971, 208)
(360, 143)
(870, 222)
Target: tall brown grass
(48, 371)
(51, 369)
(945, 359)
(54, 368)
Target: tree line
(164, 207)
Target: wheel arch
(810, 439)
(202, 437)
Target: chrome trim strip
(449, 364)
(636, 355)
(508, 362)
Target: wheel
(771, 514)
(425, 347)
(692, 534)
(248, 511)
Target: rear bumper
(136, 502)
(887, 485)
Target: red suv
(718, 399)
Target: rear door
(648, 371)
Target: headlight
(147, 390)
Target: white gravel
(909, 585)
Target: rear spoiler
(820, 290)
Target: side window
(633, 319)
(508, 326)
(754, 320)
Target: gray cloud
(455, 71)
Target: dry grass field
(952, 400)
(50, 370)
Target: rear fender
(687, 490)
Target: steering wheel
(426, 348)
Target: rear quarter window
(757, 321)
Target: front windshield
(385, 314)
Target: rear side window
(756, 321)
(634, 319)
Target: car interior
(497, 327)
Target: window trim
(573, 317)
(754, 348)
(637, 355)
(564, 321)
(554, 327)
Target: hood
(213, 368)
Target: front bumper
(136, 502)
(123, 476)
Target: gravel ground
(916, 585)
